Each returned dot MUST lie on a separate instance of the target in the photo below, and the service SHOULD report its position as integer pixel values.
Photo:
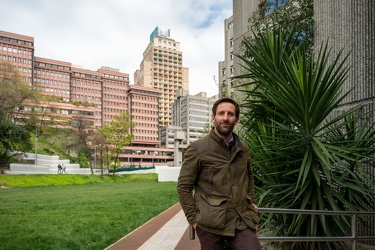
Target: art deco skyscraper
(161, 68)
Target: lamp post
(36, 146)
(101, 160)
(95, 156)
(107, 158)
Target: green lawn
(77, 212)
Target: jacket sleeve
(188, 175)
(251, 188)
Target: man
(217, 167)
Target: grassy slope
(68, 179)
(77, 212)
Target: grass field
(77, 212)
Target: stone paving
(169, 230)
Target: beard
(224, 131)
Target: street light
(36, 146)
(95, 156)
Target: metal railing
(354, 238)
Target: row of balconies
(175, 76)
(166, 67)
(160, 51)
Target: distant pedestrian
(63, 167)
(59, 169)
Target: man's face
(225, 119)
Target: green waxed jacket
(222, 179)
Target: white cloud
(115, 33)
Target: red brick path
(137, 238)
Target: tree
(81, 138)
(285, 14)
(14, 140)
(14, 92)
(99, 142)
(301, 159)
(117, 136)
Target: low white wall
(46, 164)
(167, 173)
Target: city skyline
(94, 34)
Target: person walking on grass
(59, 169)
(216, 186)
(63, 167)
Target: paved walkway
(169, 230)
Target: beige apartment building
(162, 68)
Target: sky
(115, 33)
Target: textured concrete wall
(350, 25)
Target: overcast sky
(115, 33)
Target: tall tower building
(236, 28)
(226, 66)
(161, 68)
(349, 26)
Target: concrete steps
(48, 165)
(45, 164)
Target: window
(230, 25)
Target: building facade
(145, 148)
(103, 94)
(236, 28)
(115, 85)
(350, 26)
(162, 68)
(19, 51)
(226, 67)
(192, 114)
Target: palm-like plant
(303, 157)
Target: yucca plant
(303, 156)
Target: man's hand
(256, 207)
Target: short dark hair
(226, 99)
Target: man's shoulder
(201, 143)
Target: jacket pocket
(252, 213)
(211, 212)
(250, 204)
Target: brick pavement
(169, 230)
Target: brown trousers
(243, 240)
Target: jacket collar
(220, 140)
